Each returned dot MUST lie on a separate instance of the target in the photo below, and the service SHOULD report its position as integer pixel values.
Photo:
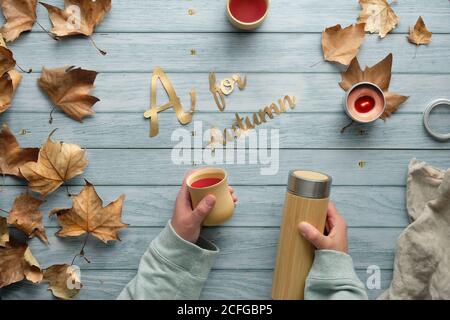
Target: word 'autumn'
(241, 125)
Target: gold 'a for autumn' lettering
(174, 102)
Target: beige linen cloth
(422, 260)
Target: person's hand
(186, 221)
(336, 229)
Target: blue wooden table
(189, 39)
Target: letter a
(174, 102)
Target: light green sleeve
(172, 268)
(332, 277)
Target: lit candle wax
(365, 103)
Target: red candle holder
(247, 14)
(365, 102)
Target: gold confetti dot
(191, 12)
(362, 164)
(23, 132)
(193, 52)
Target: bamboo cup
(224, 207)
(306, 200)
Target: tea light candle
(247, 14)
(365, 102)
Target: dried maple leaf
(393, 102)
(12, 157)
(379, 74)
(64, 281)
(17, 263)
(88, 215)
(79, 17)
(57, 162)
(7, 61)
(419, 34)
(20, 16)
(4, 234)
(378, 16)
(342, 45)
(9, 78)
(68, 88)
(26, 217)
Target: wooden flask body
(295, 254)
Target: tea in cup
(213, 181)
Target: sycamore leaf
(20, 16)
(26, 217)
(68, 88)
(88, 215)
(57, 163)
(67, 22)
(64, 281)
(342, 45)
(12, 157)
(17, 263)
(393, 102)
(4, 234)
(8, 85)
(419, 34)
(379, 74)
(9, 78)
(378, 16)
(7, 61)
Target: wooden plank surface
(118, 96)
(368, 164)
(221, 285)
(391, 134)
(152, 206)
(252, 248)
(348, 167)
(209, 16)
(238, 52)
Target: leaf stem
(81, 253)
(50, 120)
(347, 126)
(68, 191)
(4, 210)
(51, 35)
(103, 52)
(20, 68)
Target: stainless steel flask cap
(309, 184)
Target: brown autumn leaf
(66, 23)
(419, 34)
(17, 263)
(57, 162)
(7, 61)
(379, 74)
(88, 215)
(68, 88)
(9, 78)
(4, 234)
(20, 16)
(64, 281)
(26, 217)
(12, 157)
(342, 45)
(378, 16)
(393, 101)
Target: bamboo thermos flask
(306, 200)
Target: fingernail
(210, 200)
